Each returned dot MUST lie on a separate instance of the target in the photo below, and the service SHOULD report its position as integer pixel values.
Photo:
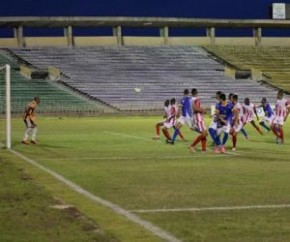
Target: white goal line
(203, 209)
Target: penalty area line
(184, 157)
(118, 210)
(203, 209)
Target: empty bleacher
(273, 61)
(55, 99)
(111, 74)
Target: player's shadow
(51, 146)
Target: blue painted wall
(238, 9)
(171, 8)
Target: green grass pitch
(115, 158)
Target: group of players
(229, 118)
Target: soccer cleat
(192, 149)
(223, 149)
(156, 137)
(279, 141)
(216, 150)
(26, 142)
(234, 149)
(169, 141)
(34, 142)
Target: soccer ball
(137, 89)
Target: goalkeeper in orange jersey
(29, 119)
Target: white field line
(130, 216)
(148, 139)
(132, 157)
(249, 207)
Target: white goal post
(6, 68)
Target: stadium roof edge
(80, 21)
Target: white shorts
(29, 123)
(268, 119)
(238, 127)
(213, 125)
(186, 120)
(163, 121)
(225, 129)
(278, 120)
(250, 119)
(169, 124)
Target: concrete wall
(279, 41)
(45, 41)
(142, 41)
(95, 41)
(189, 41)
(8, 42)
(235, 41)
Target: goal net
(5, 107)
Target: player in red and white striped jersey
(172, 120)
(199, 122)
(282, 109)
(249, 113)
(238, 119)
(166, 116)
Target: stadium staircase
(55, 99)
(273, 61)
(111, 74)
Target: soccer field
(237, 196)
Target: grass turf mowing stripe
(132, 217)
(249, 207)
(148, 139)
(137, 157)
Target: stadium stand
(113, 74)
(273, 61)
(56, 99)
